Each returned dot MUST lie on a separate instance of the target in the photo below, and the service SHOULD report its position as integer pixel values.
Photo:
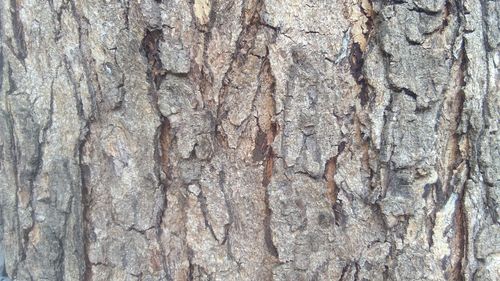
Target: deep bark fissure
(13, 151)
(18, 31)
(357, 53)
(263, 151)
(86, 204)
(150, 48)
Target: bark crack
(156, 74)
(18, 32)
(150, 48)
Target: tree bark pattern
(250, 139)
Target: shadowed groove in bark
(86, 203)
(156, 74)
(455, 160)
(265, 137)
(150, 49)
(460, 246)
(358, 49)
(9, 122)
(268, 236)
(204, 210)
(329, 175)
(356, 61)
(203, 74)
(14, 155)
(165, 140)
(18, 30)
(246, 39)
(251, 24)
(266, 179)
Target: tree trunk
(250, 139)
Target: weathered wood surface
(250, 139)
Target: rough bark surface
(250, 139)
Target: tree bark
(250, 139)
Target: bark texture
(250, 139)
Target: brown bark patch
(165, 142)
(269, 155)
(331, 187)
(150, 47)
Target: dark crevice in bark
(86, 196)
(430, 223)
(24, 174)
(204, 210)
(264, 140)
(150, 49)
(268, 167)
(460, 241)
(452, 105)
(329, 175)
(356, 61)
(356, 272)
(455, 157)
(15, 167)
(331, 187)
(162, 157)
(165, 139)
(156, 74)
(126, 13)
(91, 77)
(230, 210)
(268, 236)
(230, 254)
(269, 157)
(454, 183)
(486, 113)
(263, 151)
(340, 216)
(344, 271)
(265, 136)
(409, 93)
(86, 203)
(60, 264)
(191, 266)
(1, 58)
(203, 74)
(88, 61)
(459, 246)
(28, 179)
(18, 32)
(77, 97)
(261, 148)
(12, 83)
(227, 227)
(319, 270)
(250, 26)
(356, 56)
